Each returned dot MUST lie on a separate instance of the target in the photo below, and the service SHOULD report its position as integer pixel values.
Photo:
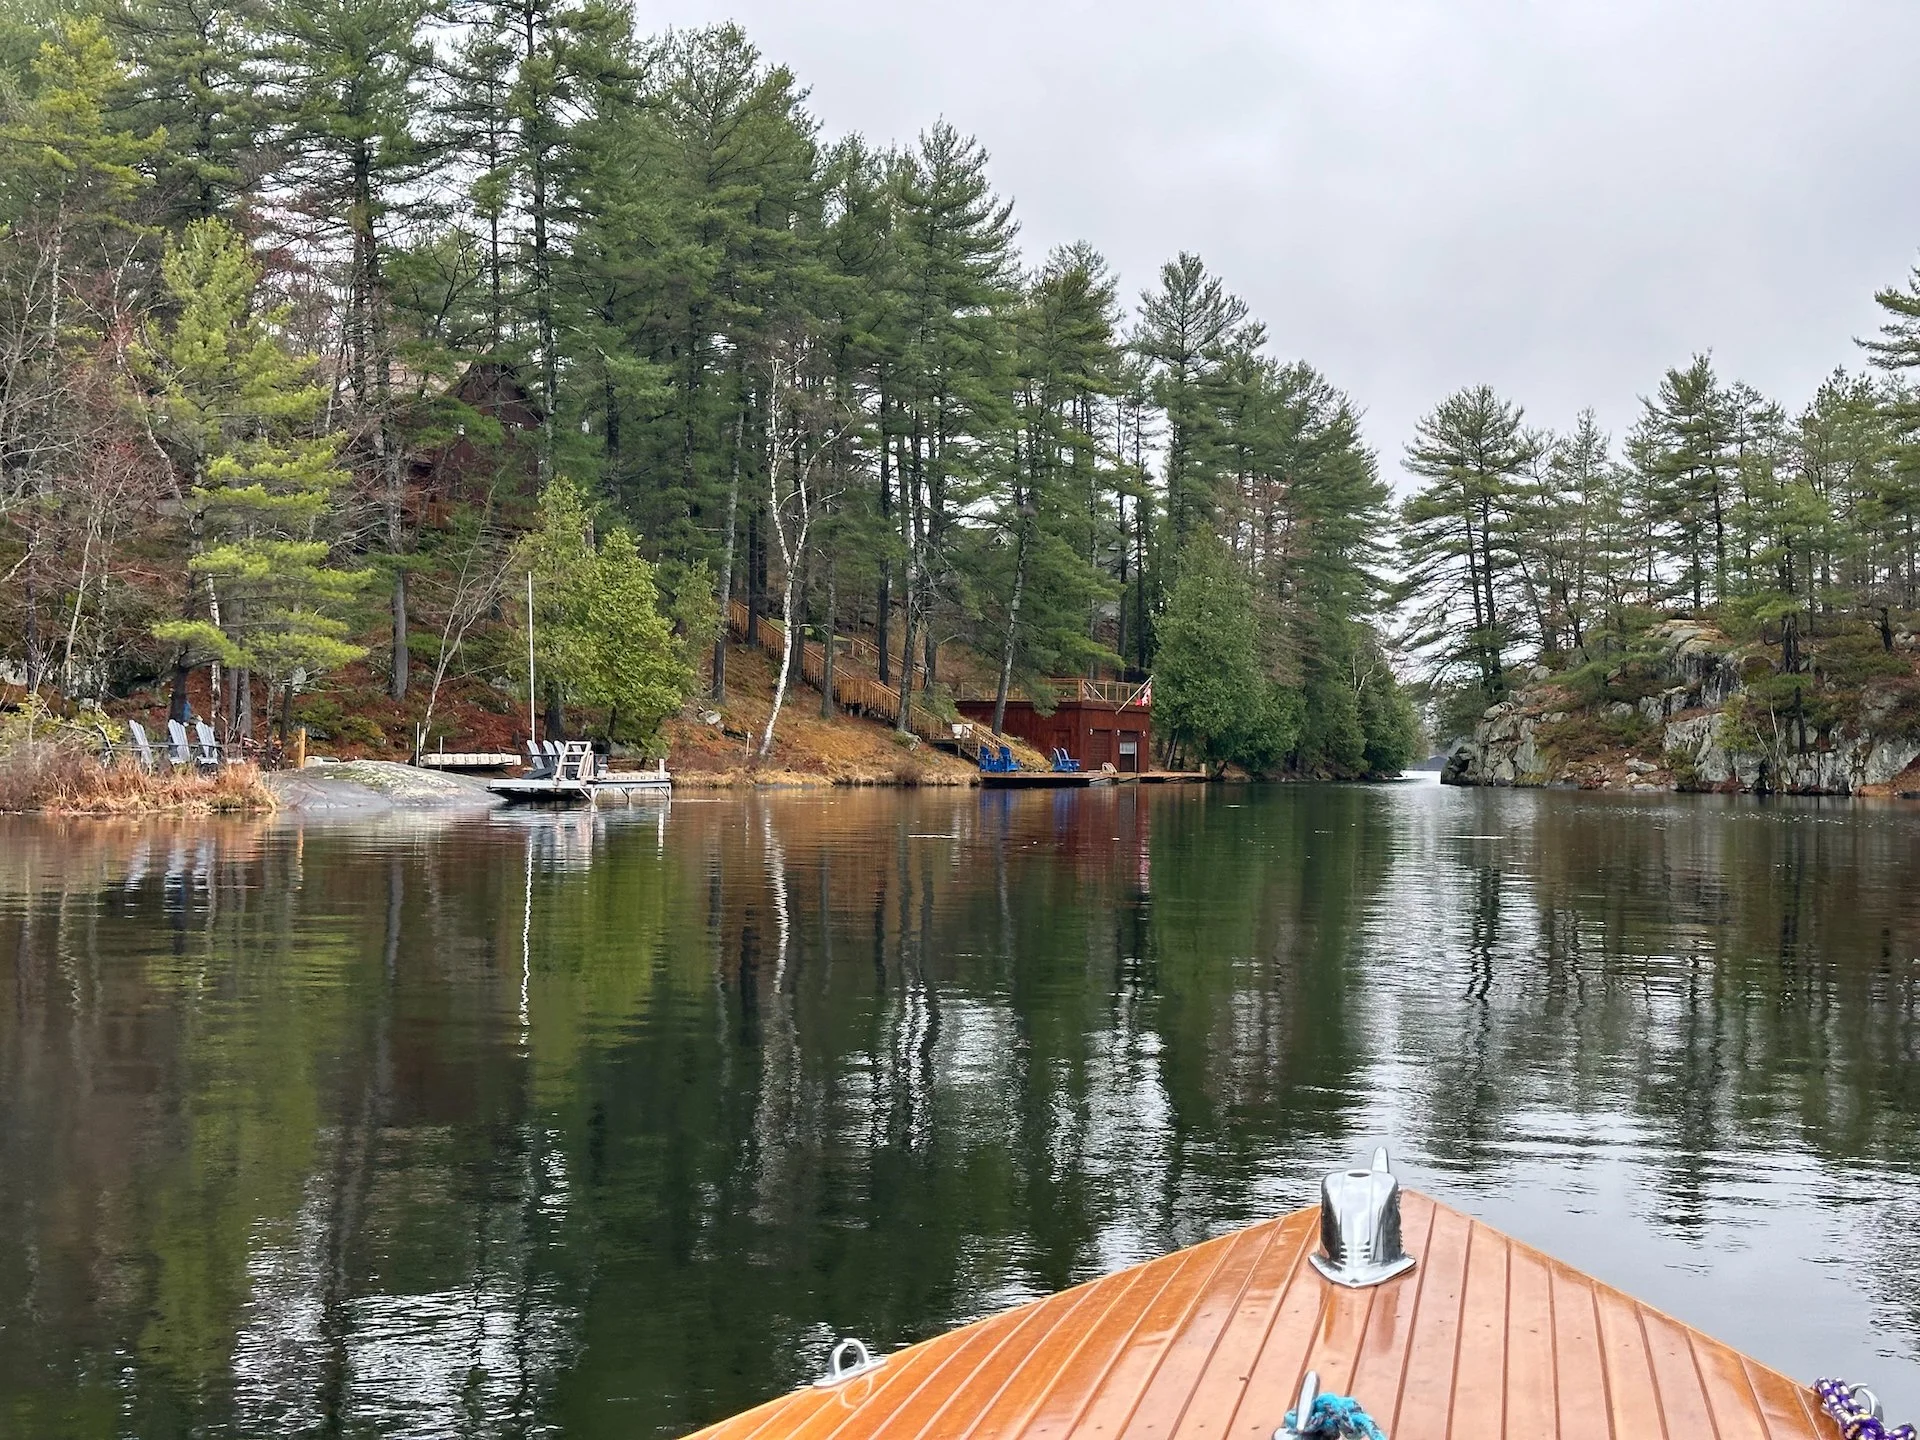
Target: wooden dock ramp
(1484, 1337)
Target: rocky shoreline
(1694, 731)
(356, 788)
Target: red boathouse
(1097, 722)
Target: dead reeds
(62, 776)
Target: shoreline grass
(56, 778)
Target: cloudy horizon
(1414, 195)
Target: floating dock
(1482, 1338)
(1043, 779)
(1072, 779)
(573, 777)
(469, 761)
(631, 785)
(529, 789)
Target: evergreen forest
(323, 327)
(1790, 534)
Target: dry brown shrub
(65, 777)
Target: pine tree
(200, 76)
(1897, 352)
(564, 47)
(356, 72)
(1779, 521)
(1210, 696)
(1321, 514)
(1050, 503)
(1684, 445)
(857, 310)
(472, 123)
(862, 297)
(234, 411)
(955, 239)
(626, 230)
(740, 166)
(1187, 329)
(1473, 451)
(1575, 523)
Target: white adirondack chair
(179, 754)
(210, 754)
(142, 746)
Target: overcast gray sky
(1560, 198)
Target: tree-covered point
(1793, 533)
(305, 307)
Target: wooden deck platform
(527, 790)
(635, 780)
(1483, 1338)
(469, 761)
(631, 786)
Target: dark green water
(604, 1126)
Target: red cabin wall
(1092, 733)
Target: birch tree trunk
(786, 651)
(719, 690)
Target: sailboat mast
(533, 728)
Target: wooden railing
(1116, 693)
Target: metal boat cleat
(1302, 1414)
(1360, 1226)
(850, 1359)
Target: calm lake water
(606, 1125)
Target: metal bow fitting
(841, 1368)
(1360, 1226)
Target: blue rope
(1338, 1415)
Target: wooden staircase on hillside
(853, 691)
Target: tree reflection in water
(608, 1124)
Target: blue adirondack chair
(1000, 762)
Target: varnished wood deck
(1484, 1337)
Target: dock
(1080, 779)
(1483, 1337)
(469, 762)
(1043, 779)
(572, 775)
(529, 789)
(632, 785)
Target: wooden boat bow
(1484, 1337)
